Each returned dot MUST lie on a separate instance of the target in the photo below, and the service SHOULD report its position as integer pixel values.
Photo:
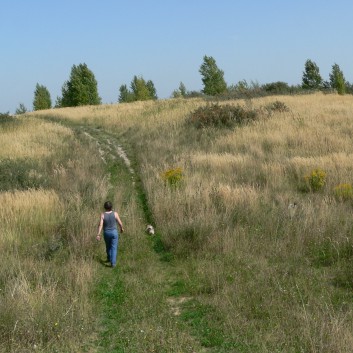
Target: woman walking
(108, 223)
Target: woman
(108, 222)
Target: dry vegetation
(274, 278)
(35, 139)
(46, 268)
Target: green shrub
(221, 116)
(343, 192)
(21, 109)
(277, 106)
(173, 177)
(278, 87)
(5, 115)
(8, 121)
(316, 180)
(20, 174)
(6, 118)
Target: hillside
(253, 251)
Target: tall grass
(34, 139)
(47, 250)
(279, 279)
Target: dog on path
(150, 230)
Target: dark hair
(108, 206)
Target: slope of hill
(253, 251)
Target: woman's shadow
(103, 262)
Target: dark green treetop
(42, 98)
(337, 80)
(212, 77)
(81, 88)
(140, 91)
(311, 76)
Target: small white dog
(150, 230)
(292, 208)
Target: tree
(311, 76)
(242, 86)
(337, 80)
(42, 98)
(182, 89)
(212, 77)
(21, 109)
(349, 87)
(81, 88)
(180, 92)
(58, 102)
(5, 117)
(125, 95)
(140, 91)
(152, 90)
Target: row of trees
(81, 88)
(313, 80)
(140, 91)
(214, 83)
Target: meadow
(46, 221)
(254, 235)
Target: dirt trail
(108, 147)
(148, 317)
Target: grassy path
(139, 310)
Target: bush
(277, 87)
(343, 192)
(173, 177)
(194, 94)
(220, 116)
(316, 180)
(277, 106)
(21, 109)
(5, 117)
(8, 121)
(20, 174)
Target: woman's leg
(107, 240)
(114, 249)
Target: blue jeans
(111, 238)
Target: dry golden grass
(279, 279)
(46, 242)
(120, 117)
(32, 139)
(21, 210)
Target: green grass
(204, 324)
(110, 293)
(179, 288)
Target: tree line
(81, 87)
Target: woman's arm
(119, 222)
(100, 227)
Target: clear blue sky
(165, 41)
